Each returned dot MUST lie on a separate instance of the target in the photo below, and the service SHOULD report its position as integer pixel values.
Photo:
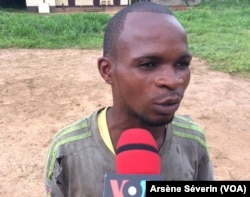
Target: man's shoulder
(186, 122)
(71, 139)
(81, 129)
(187, 130)
(78, 127)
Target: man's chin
(160, 122)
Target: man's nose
(168, 77)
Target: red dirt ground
(42, 91)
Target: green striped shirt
(78, 158)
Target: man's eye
(183, 64)
(148, 65)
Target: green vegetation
(218, 31)
(25, 30)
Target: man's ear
(105, 69)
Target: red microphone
(137, 153)
(137, 161)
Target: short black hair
(116, 23)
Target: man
(146, 63)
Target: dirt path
(42, 91)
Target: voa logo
(128, 188)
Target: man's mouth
(167, 106)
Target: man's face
(151, 71)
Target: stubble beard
(146, 120)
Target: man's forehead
(151, 22)
(137, 15)
(139, 18)
(157, 31)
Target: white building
(36, 5)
